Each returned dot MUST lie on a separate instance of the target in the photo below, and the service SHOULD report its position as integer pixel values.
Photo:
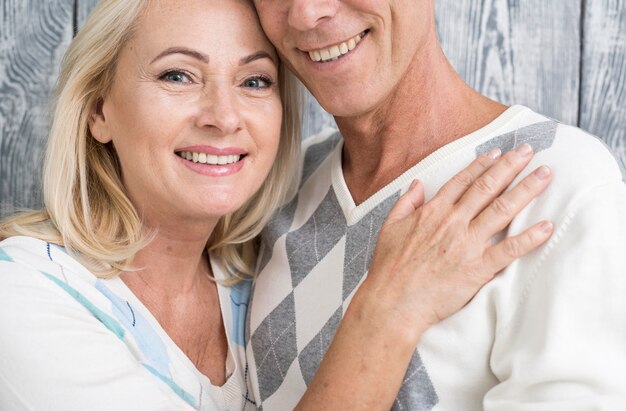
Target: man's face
(352, 53)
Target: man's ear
(98, 125)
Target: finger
(505, 252)
(504, 208)
(452, 191)
(493, 181)
(408, 202)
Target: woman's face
(194, 111)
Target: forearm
(366, 362)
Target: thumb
(408, 202)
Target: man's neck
(428, 109)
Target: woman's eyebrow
(182, 50)
(204, 58)
(255, 56)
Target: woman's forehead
(209, 25)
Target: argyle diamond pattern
(274, 347)
(540, 136)
(361, 242)
(294, 337)
(311, 242)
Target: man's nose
(307, 14)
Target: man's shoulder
(569, 150)
(583, 157)
(317, 149)
(326, 135)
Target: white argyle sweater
(549, 333)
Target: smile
(336, 51)
(210, 159)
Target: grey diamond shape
(417, 391)
(274, 346)
(360, 243)
(317, 153)
(277, 226)
(539, 135)
(308, 245)
(311, 357)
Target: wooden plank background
(33, 37)
(563, 58)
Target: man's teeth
(334, 52)
(209, 158)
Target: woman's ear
(98, 125)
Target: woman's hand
(430, 260)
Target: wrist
(378, 312)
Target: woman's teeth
(209, 158)
(334, 52)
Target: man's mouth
(336, 51)
(209, 159)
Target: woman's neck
(173, 281)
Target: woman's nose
(220, 112)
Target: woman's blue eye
(258, 82)
(175, 77)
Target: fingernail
(543, 172)
(494, 153)
(546, 227)
(413, 184)
(524, 150)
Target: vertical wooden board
(603, 98)
(83, 8)
(33, 37)
(516, 51)
(315, 118)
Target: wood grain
(315, 119)
(83, 8)
(33, 36)
(516, 51)
(603, 92)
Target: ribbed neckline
(354, 213)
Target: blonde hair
(86, 209)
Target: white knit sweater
(549, 333)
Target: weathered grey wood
(516, 51)
(83, 8)
(603, 97)
(315, 118)
(33, 35)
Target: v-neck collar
(354, 213)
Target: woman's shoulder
(14, 248)
(35, 273)
(24, 259)
(29, 254)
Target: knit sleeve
(564, 347)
